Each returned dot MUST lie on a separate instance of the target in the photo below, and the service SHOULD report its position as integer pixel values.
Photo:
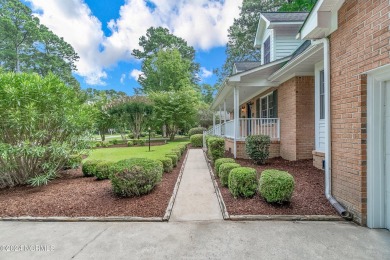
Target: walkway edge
(221, 203)
(286, 217)
(82, 219)
(171, 203)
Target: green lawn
(117, 154)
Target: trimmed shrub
(115, 141)
(221, 161)
(182, 148)
(177, 152)
(167, 164)
(98, 144)
(196, 130)
(196, 140)
(73, 161)
(130, 143)
(242, 182)
(173, 157)
(257, 148)
(224, 171)
(89, 168)
(136, 176)
(216, 148)
(141, 142)
(276, 186)
(105, 145)
(104, 169)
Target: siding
(285, 43)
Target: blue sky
(104, 33)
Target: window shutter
(275, 97)
(258, 108)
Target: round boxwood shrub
(130, 143)
(104, 169)
(115, 141)
(182, 148)
(221, 161)
(173, 158)
(136, 176)
(73, 161)
(257, 147)
(196, 130)
(89, 168)
(242, 182)
(167, 164)
(224, 171)
(197, 140)
(276, 186)
(216, 148)
(177, 152)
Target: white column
(220, 115)
(213, 122)
(236, 119)
(224, 111)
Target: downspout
(328, 151)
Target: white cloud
(135, 74)
(204, 73)
(202, 23)
(123, 77)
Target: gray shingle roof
(246, 65)
(286, 17)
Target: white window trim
(261, 104)
(317, 69)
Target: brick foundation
(274, 149)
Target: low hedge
(136, 176)
(224, 172)
(173, 158)
(216, 148)
(242, 182)
(130, 143)
(257, 148)
(104, 169)
(89, 168)
(196, 140)
(73, 161)
(276, 186)
(196, 130)
(167, 164)
(177, 152)
(221, 161)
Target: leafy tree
(43, 123)
(297, 5)
(28, 46)
(207, 91)
(159, 39)
(94, 95)
(165, 71)
(175, 109)
(104, 120)
(133, 112)
(204, 115)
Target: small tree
(43, 122)
(257, 148)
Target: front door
(387, 153)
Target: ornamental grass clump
(216, 148)
(224, 172)
(242, 182)
(104, 169)
(257, 148)
(221, 161)
(167, 164)
(276, 186)
(196, 140)
(136, 176)
(89, 168)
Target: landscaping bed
(308, 197)
(72, 195)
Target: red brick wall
(274, 149)
(297, 118)
(360, 43)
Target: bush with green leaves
(98, 144)
(73, 161)
(242, 182)
(42, 122)
(141, 142)
(173, 157)
(182, 148)
(89, 168)
(276, 186)
(257, 148)
(196, 140)
(167, 164)
(196, 130)
(216, 148)
(136, 176)
(104, 169)
(221, 161)
(224, 172)
(177, 152)
(115, 141)
(130, 143)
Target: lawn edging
(82, 219)
(221, 203)
(168, 211)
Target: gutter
(328, 154)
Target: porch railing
(247, 127)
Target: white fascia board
(272, 25)
(257, 83)
(262, 26)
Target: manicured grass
(121, 153)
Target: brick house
(321, 92)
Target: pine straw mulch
(308, 197)
(72, 195)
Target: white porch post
(236, 100)
(220, 115)
(224, 111)
(213, 122)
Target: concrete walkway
(196, 198)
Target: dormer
(276, 34)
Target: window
(267, 51)
(269, 105)
(322, 95)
